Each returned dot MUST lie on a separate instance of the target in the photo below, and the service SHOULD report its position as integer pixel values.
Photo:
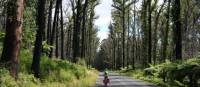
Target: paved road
(117, 80)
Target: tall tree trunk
(128, 37)
(68, 46)
(155, 41)
(165, 43)
(134, 40)
(12, 41)
(38, 43)
(57, 36)
(114, 50)
(123, 34)
(72, 34)
(144, 37)
(119, 62)
(84, 28)
(76, 33)
(62, 31)
(54, 27)
(176, 16)
(49, 22)
(149, 32)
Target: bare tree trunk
(128, 37)
(38, 43)
(114, 50)
(165, 43)
(149, 33)
(62, 32)
(155, 41)
(57, 36)
(49, 22)
(123, 34)
(68, 46)
(13, 36)
(54, 27)
(144, 41)
(134, 40)
(76, 33)
(84, 28)
(177, 29)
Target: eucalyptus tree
(177, 30)
(144, 31)
(149, 31)
(115, 32)
(158, 13)
(123, 7)
(53, 33)
(49, 25)
(39, 38)
(2, 14)
(62, 31)
(166, 35)
(13, 37)
(112, 35)
(91, 32)
(84, 18)
(76, 32)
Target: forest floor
(117, 80)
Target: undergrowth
(184, 73)
(54, 73)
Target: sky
(104, 12)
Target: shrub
(184, 73)
(54, 73)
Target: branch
(116, 7)
(161, 8)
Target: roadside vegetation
(184, 73)
(54, 73)
(47, 43)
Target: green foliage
(184, 73)
(46, 47)
(29, 26)
(57, 68)
(81, 62)
(24, 80)
(2, 35)
(54, 73)
(5, 79)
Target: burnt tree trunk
(177, 38)
(76, 33)
(38, 43)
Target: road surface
(117, 80)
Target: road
(117, 80)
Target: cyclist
(106, 79)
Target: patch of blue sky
(104, 12)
